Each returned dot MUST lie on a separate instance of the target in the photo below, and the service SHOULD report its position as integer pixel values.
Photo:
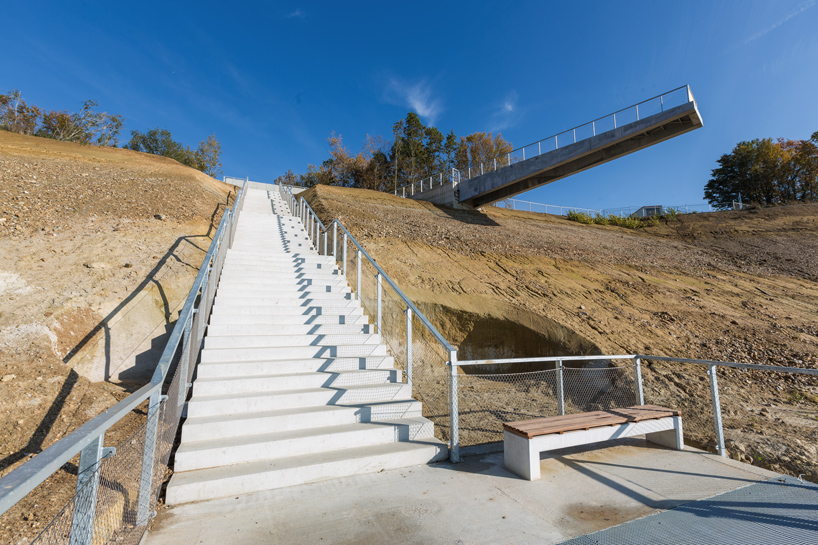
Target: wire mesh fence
(504, 394)
(779, 431)
(686, 388)
(114, 492)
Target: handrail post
(714, 397)
(148, 457)
(637, 377)
(358, 278)
(380, 302)
(85, 503)
(454, 417)
(335, 240)
(345, 259)
(408, 346)
(325, 242)
(560, 388)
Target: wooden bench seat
(524, 441)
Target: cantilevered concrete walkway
(477, 501)
(511, 180)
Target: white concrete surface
(582, 490)
(294, 384)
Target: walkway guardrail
(425, 356)
(502, 390)
(658, 104)
(118, 487)
(528, 206)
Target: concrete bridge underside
(551, 166)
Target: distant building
(648, 211)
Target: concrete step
(285, 301)
(232, 328)
(232, 425)
(275, 381)
(262, 401)
(267, 280)
(305, 365)
(282, 268)
(291, 352)
(290, 303)
(267, 310)
(271, 474)
(222, 451)
(284, 296)
(274, 341)
(273, 258)
(301, 291)
(295, 274)
(280, 319)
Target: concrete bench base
(522, 456)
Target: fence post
(358, 278)
(409, 346)
(85, 503)
(380, 300)
(637, 377)
(325, 243)
(143, 513)
(714, 397)
(345, 260)
(184, 361)
(335, 240)
(560, 388)
(454, 417)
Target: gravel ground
(100, 246)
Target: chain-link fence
(489, 395)
(118, 488)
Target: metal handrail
(325, 229)
(735, 365)
(659, 96)
(712, 365)
(24, 479)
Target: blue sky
(274, 79)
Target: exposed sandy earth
(99, 248)
(730, 286)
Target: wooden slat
(584, 421)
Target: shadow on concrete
(151, 278)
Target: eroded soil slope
(99, 248)
(733, 286)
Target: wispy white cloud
(802, 7)
(418, 96)
(297, 14)
(506, 113)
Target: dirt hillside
(100, 246)
(733, 286)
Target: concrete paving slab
(582, 490)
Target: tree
(207, 156)
(85, 126)
(160, 142)
(16, 115)
(765, 172)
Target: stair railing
(139, 464)
(415, 341)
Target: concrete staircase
(294, 385)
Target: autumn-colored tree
(16, 115)
(208, 156)
(415, 153)
(85, 126)
(765, 172)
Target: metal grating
(782, 510)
